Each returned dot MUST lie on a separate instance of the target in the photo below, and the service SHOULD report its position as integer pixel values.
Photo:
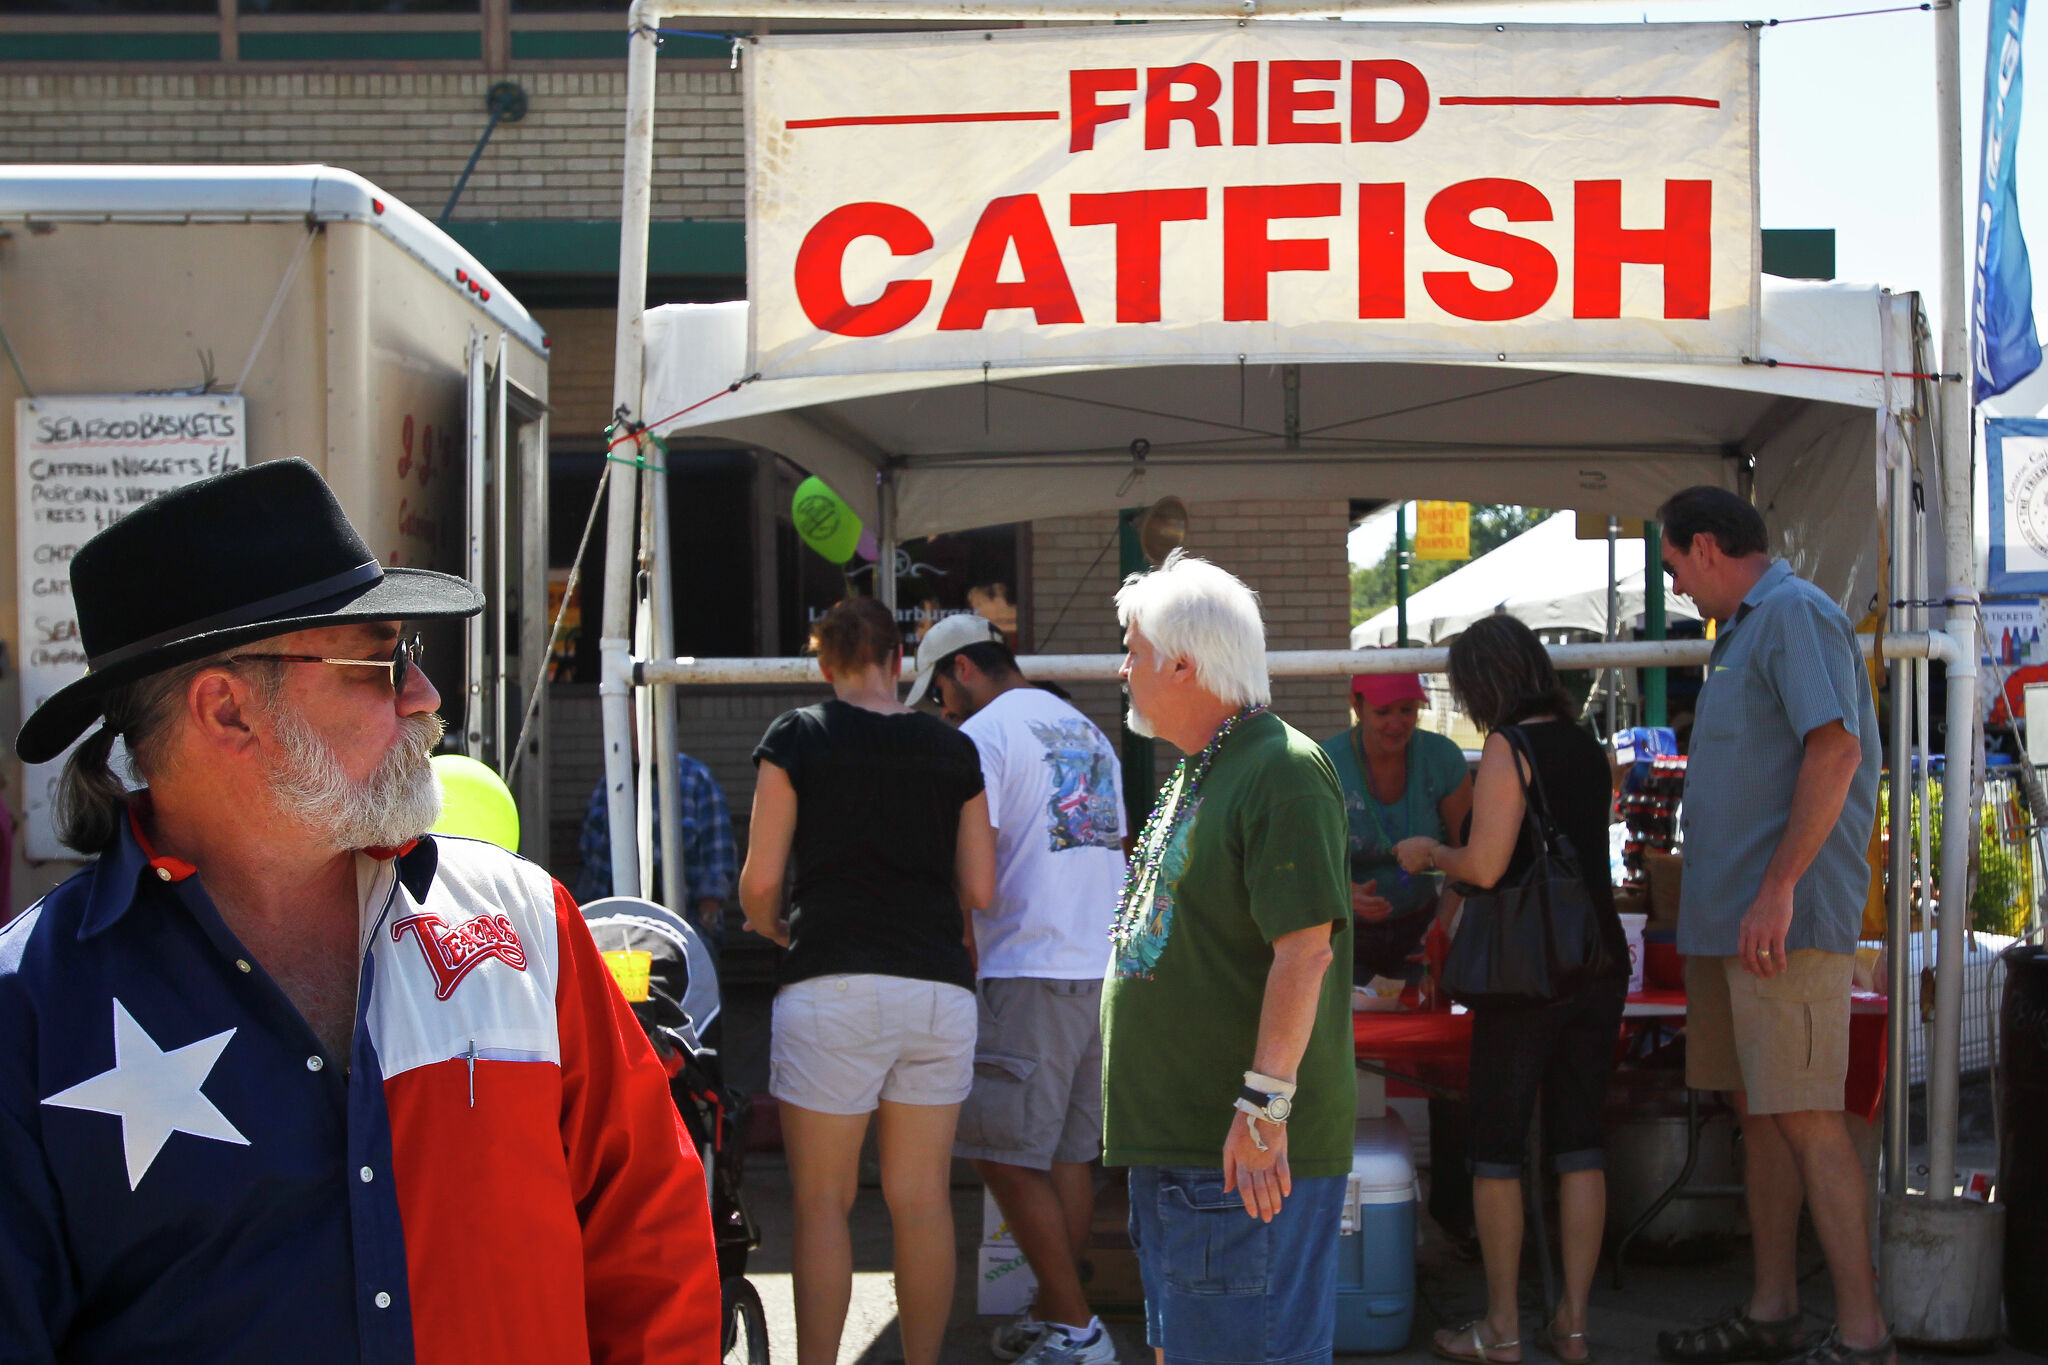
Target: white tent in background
(1547, 578)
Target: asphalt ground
(1450, 1289)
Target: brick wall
(1292, 553)
(580, 357)
(409, 132)
(718, 726)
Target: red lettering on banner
(820, 267)
(1137, 215)
(1382, 251)
(1162, 110)
(1684, 246)
(1088, 113)
(1365, 101)
(1285, 98)
(1244, 104)
(1250, 256)
(1045, 290)
(1448, 220)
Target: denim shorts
(1223, 1288)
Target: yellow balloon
(824, 520)
(475, 802)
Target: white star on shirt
(154, 1093)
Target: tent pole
(1655, 705)
(1401, 575)
(1959, 833)
(1282, 663)
(1898, 921)
(1613, 628)
(885, 540)
(615, 684)
(1141, 763)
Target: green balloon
(475, 802)
(824, 520)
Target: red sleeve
(650, 1271)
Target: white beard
(396, 804)
(1138, 724)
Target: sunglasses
(403, 656)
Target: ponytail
(91, 799)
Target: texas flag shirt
(496, 1171)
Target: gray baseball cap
(947, 637)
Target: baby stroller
(668, 976)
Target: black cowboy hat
(244, 556)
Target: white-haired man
(281, 1077)
(1226, 1014)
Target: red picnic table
(1430, 1051)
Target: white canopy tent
(1546, 578)
(919, 453)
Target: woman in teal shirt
(1399, 782)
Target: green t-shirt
(1436, 765)
(1261, 854)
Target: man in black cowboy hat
(282, 1076)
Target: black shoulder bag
(1537, 938)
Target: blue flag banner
(2016, 469)
(2007, 350)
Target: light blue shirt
(1786, 665)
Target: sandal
(1734, 1338)
(1832, 1350)
(1478, 1354)
(1551, 1340)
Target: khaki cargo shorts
(1037, 1096)
(1783, 1040)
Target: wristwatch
(1272, 1108)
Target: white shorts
(841, 1043)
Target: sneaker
(1055, 1347)
(1017, 1336)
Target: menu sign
(80, 465)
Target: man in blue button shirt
(1780, 793)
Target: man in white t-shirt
(1034, 1122)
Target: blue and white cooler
(1376, 1241)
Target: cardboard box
(1003, 1282)
(994, 1231)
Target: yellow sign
(631, 968)
(1443, 530)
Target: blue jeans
(1223, 1288)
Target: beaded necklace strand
(1143, 872)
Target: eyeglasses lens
(403, 658)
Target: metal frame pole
(615, 685)
(1898, 919)
(1959, 815)
(662, 752)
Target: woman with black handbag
(1541, 958)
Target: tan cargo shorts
(1784, 1039)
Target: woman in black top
(1502, 677)
(880, 809)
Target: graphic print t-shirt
(1055, 796)
(1261, 854)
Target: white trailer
(299, 310)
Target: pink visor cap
(1384, 689)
